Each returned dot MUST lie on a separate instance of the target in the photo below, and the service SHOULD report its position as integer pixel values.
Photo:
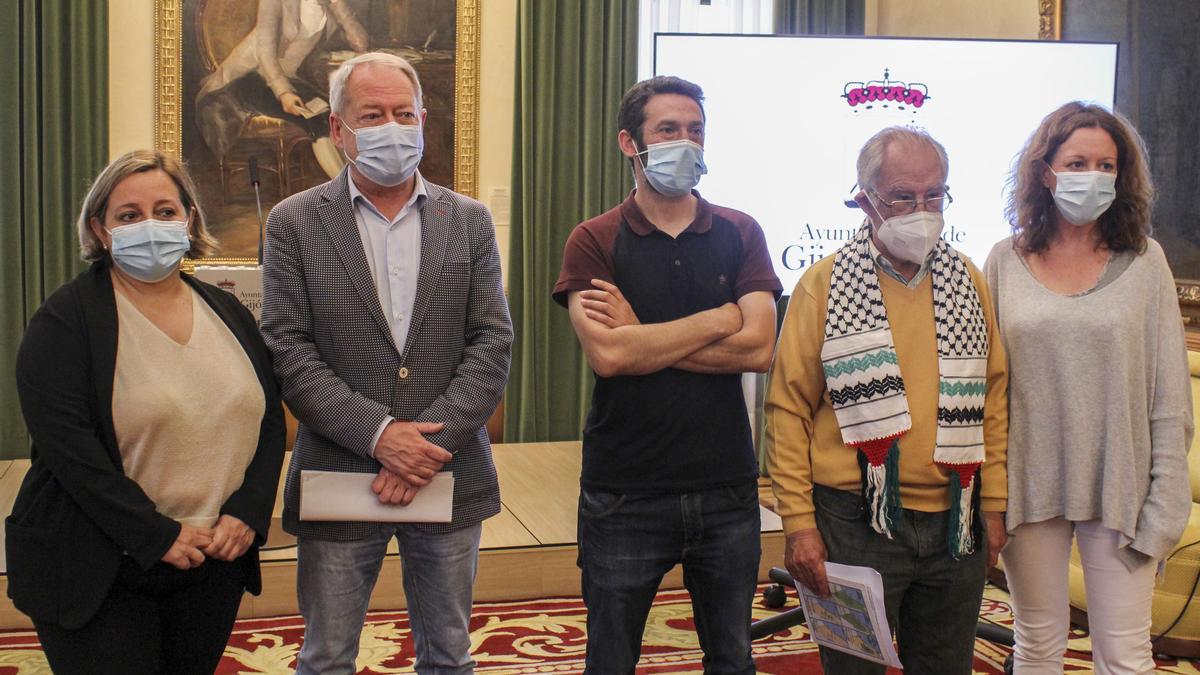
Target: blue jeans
(932, 600)
(627, 542)
(334, 581)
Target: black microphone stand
(254, 182)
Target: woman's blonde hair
(139, 161)
(1030, 208)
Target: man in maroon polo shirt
(673, 299)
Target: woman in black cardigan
(157, 441)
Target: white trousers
(1036, 562)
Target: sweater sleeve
(994, 474)
(797, 384)
(991, 275)
(1167, 507)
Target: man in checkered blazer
(383, 306)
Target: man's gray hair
(870, 158)
(337, 81)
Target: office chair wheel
(775, 596)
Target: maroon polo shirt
(672, 430)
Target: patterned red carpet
(544, 636)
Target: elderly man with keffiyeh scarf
(887, 413)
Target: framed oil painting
(242, 83)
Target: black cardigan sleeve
(55, 384)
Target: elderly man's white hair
(870, 158)
(337, 82)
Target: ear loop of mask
(639, 153)
(638, 157)
(353, 133)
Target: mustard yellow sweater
(804, 443)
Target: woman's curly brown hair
(1030, 208)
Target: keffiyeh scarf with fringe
(866, 388)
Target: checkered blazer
(338, 365)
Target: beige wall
(130, 76)
(1005, 19)
(131, 94)
(497, 85)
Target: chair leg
(782, 621)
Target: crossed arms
(732, 338)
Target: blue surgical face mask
(1083, 196)
(150, 250)
(673, 168)
(388, 154)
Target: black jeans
(161, 620)
(627, 542)
(932, 600)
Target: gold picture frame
(169, 69)
(1049, 19)
(1188, 291)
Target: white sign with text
(786, 117)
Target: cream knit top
(187, 416)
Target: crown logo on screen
(227, 285)
(886, 93)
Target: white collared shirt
(393, 250)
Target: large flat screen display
(786, 117)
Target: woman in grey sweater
(1100, 403)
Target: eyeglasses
(903, 207)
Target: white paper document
(336, 495)
(852, 619)
(314, 106)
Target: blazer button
(403, 373)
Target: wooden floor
(527, 550)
